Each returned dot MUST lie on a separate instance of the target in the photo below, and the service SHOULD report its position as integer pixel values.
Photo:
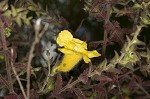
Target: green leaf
(7, 32)
(86, 8)
(103, 64)
(1, 57)
(4, 5)
(18, 21)
(137, 6)
(126, 91)
(7, 13)
(13, 11)
(145, 19)
(115, 58)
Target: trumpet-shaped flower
(74, 50)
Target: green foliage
(4, 5)
(7, 32)
(18, 15)
(1, 57)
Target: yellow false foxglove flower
(74, 50)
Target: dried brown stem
(4, 81)
(140, 87)
(16, 75)
(38, 36)
(8, 68)
(69, 85)
(105, 32)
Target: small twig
(4, 81)
(8, 68)
(142, 89)
(136, 19)
(105, 32)
(48, 76)
(128, 72)
(68, 86)
(104, 44)
(38, 36)
(16, 75)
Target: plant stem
(16, 75)
(4, 44)
(38, 36)
(47, 77)
(105, 32)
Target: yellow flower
(74, 50)
(68, 62)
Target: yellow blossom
(74, 50)
(68, 62)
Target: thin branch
(108, 6)
(69, 85)
(47, 77)
(129, 72)
(16, 75)
(140, 87)
(8, 68)
(38, 36)
(4, 81)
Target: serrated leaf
(137, 42)
(28, 20)
(14, 12)
(79, 93)
(115, 58)
(145, 19)
(84, 76)
(103, 64)
(129, 65)
(124, 49)
(7, 13)
(98, 88)
(7, 32)
(86, 8)
(101, 78)
(124, 3)
(115, 10)
(128, 39)
(18, 21)
(113, 70)
(4, 5)
(143, 54)
(137, 6)
(20, 9)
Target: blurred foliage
(118, 29)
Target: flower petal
(64, 37)
(86, 59)
(73, 46)
(92, 54)
(68, 63)
(79, 43)
(66, 51)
